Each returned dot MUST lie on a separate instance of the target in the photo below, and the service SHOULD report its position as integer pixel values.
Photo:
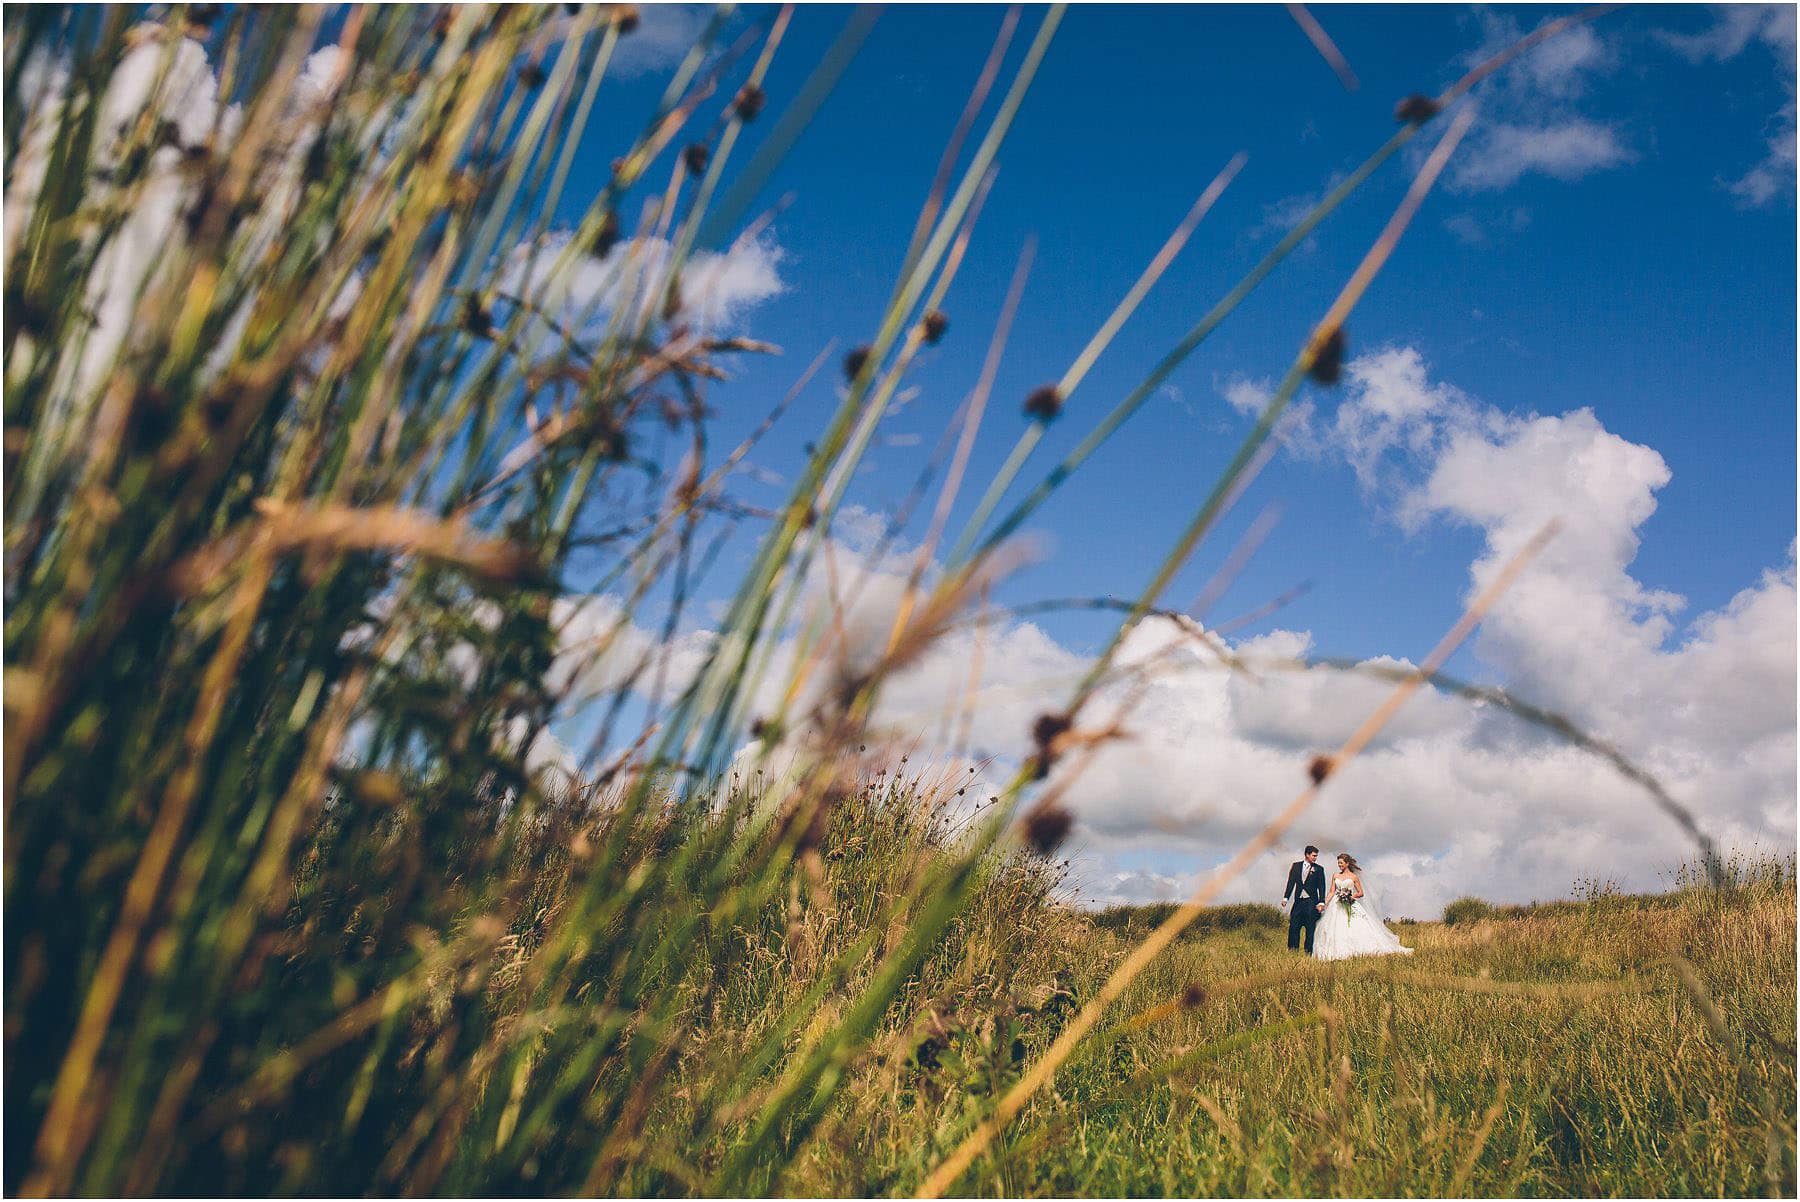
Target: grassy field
(1607, 1045)
(1537, 1055)
(1552, 1051)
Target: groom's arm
(1292, 881)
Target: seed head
(475, 319)
(1046, 827)
(531, 76)
(152, 418)
(855, 361)
(1416, 109)
(606, 236)
(1193, 995)
(216, 409)
(749, 102)
(1045, 732)
(1048, 726)
(1045, 403)
(934, 325)
(625, 16)
(1328, 363)
(616, 444)
(1320, 768)
(697, 156)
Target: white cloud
(1529, 123)
(1734, 29)
(664, 35)
(1281, 216)
(173, 79)
(1565, 150)
(1455, 797)
(1774, 175)
(1388, 405)
(718, 289)
(1294, 429)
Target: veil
(1371, 933)
(1368, 899)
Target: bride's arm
(1358, 881)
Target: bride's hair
(1350, 864)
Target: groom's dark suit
(1306, 885)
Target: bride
(1351, 926)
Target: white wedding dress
(1354, 930)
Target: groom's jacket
(1306, 882)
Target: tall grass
(329, 492)
(1563, 1051)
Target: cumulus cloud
(1565, 150)
(1529, 122)
(1455, 796)
(718, 288)
(173, 79)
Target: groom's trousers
(1301, 921)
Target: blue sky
(1645, 290)
(1593, 317)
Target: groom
(1306, 886)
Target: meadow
(1619, 1046)
(333, 504)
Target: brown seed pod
(216, 409)
(625, 16)
(934, 325)
(697, 156)
(1044, 403)
(855, 361)
(1328, 363)
(475, 319)
(1045, 731)
(606, 236)
(1416, 109)
(1048, 726)
(1321, 767)
(531, 76)
(749, 102)
(1046, 826)
(1193, 995)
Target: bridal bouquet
(1346, 895)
